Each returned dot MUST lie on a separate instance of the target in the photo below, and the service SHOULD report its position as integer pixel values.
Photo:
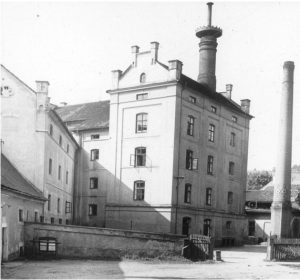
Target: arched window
(141, 123)
(142, 78)
(139, 190)
(186, 223)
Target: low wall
(91, 242)
(283, 249)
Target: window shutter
(132, 160)
(195, 164)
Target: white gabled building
(171, 154)
(38, 144)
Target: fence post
(270, 248)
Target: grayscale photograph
(150, 139)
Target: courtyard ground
(238, 263)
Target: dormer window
(143, 78)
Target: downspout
(178, 161)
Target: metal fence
(283, 248)
(198, 247)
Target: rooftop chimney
(154, 52)
(134, 50)
(116, 74)
(245, 105)
(207, 51)
(42, 86)
(175, 69)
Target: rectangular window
(213, 109)
(231, 168)
(211, 133)
(94, 154)
(228, 225)
(51, 129)
(208, 196)
(234, 119)
(52, 220)
(190, 125)
(21, 218)
(95, 136)
(230, 197)
(58, 205)
(68, 207)
(60, 140)
(49, 202)
(207, 227)
(210, 165)
(141, 123)
(41, 219)
(36, 216)
(187, 193)
(93, 183)
(67, 177)
(141, 96)
(50, 166)
(232, 139)
(139, 190)
(140, 156)
(68, 148)
(190, 162)
(67, 221)
(59, 172)
(92, 209)
(192, 99)
(60, 221)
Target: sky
(76, 45)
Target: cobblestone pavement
(238, 263)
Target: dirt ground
(238, 263)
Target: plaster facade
(168, 98)
(30, 143)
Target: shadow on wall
(101, 199)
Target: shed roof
(13, 180)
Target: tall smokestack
(281, 206)
(207, 51)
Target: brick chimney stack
(207, 51)
(281, 206)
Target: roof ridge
(78, 104)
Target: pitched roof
(13, 180)
(266, 193)
(186, 81)
(85, 116)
